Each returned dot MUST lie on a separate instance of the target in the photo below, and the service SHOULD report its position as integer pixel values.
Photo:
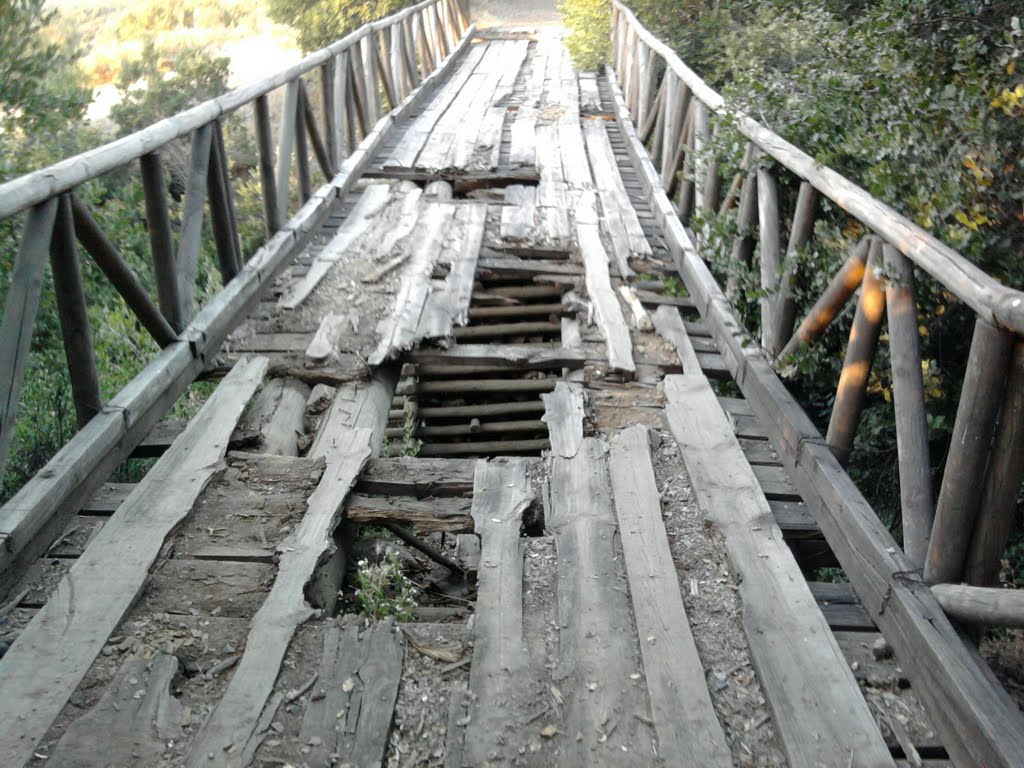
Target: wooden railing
(669, 116)
(364, 80)
(674, 114)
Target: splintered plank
(447, 302)
(563, 413)
(684, 717)
(669, 326)
(388, 248)
(51, 655)
(501, 699)
(428, 515)
(518, 213)
(620, 218)
(599, 288)
(598, 670)
(399, 331)
(358, 679)
(354, 227)
(232, 730)
(124, 727)
(487, 149)
(519, 356)
(418, 477)
(817, 704)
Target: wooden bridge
(466, 335)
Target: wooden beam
(272, 214)
(860, 353)
(222, 213)
(74, 318)
(121, 276)
(20, 307)
(301, 147)
(970, 444)
(799, 235)
(53, 653)
(315, 138)
(992, 607)
(161, 243)
(190, 238)
(908, 400)
(771, 258)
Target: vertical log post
(265, 144)
(385, 74)
(20, 308)
(330, 115)
(339, 101)
(74, 317)
(832, 300)
(712, 183)
(768, 237)
(313, 132)
(799, 235)
(158, 222)
(301, 147)
(1002, 482)
(860, 353)
(285, 145)
(190, 239)
(698, 165)
(743, 244)
(676, 126)
(908, 400)
(222, 214)
(957, 507)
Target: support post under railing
(265, 146)
(74, 317)
(161, 242)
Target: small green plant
(384, 590)
(675, 287)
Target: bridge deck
(480, 350)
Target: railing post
(1002, 482)
(301, 147)
(161, 243)
(265, 145)
(860, 353)
(768, 237)
(330, 131)
(799, 235)
(190, 239)
(74, 318)
(743, 244)
(20, 308)
(222, 209)
(285, 144)
(969, 449)
(339, 100)
(908, 401)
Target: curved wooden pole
(989, 606)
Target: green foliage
(588, 22)
(383, 590)
(152, 87)
(321, 22)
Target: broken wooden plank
(51, 655)
(563, 413)
(598, 669)
(516, 356)
(518, 213)
(349, 717)
(606, 305)
(132, 722)
(817, 704)
(669, 326)
(684, 717)
(451, 515)
(500, 680)
(418, 477)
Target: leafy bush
(588, 22)
(321, 22)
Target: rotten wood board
(563, 414)
(52, 654)
(451, 515)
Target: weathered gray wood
(771, 259)
(428, 515)
(418, 477)
(20, 307)
(121, 276)
(123, 727)
(957, 507)
(669, 326)
(988, 606)
(563, 414)
(272, 215)
(349, 716)
(286, 145)
(817, 704)
(597, 653)
(233, 722)
(339, 101)
(315, 137)
(277, 415)
(992, 301)
(908, 400)
(832, 300)
(222, 209)
(606, 305)
(976, 719)
(746, 222)
(799, 235)
(158, 223)
(1002, 482)
(518, 213)
(74, 319)
(302, 146)
(190, 237)
(688, 730)
(502, 699)
(52, 654)
(851, 391)
(518, 356)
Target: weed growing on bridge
(383, 590)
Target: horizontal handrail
(38, 186)
(990, 299)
